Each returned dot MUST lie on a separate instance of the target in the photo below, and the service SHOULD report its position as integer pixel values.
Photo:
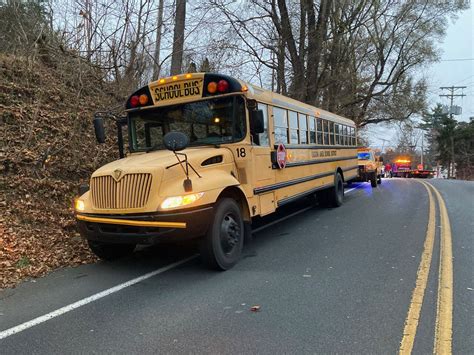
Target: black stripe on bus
(315, 161)
(311, 146)
(280, 185)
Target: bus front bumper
(150, 228)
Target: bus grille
(131, 191)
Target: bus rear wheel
(109, 251)
(222, 246)
(334, 196)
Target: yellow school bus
(206, 154)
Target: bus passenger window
(281, 125)
(263, 137)
(336, 132)
(331, 133)
(312, 130)
(293, 120)
(303, 129)
(346, 138)
(326, 132)
(352, 136)
(320, 130)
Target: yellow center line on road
(411, 321)
(444, 313)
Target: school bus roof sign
(183, 88)
(176, 91)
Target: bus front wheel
(373, 180)
(222, 246)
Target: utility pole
(383, 142)
(422, 138)
(452, 95)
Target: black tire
(221, 248)
(379, 179)
(108, 251)
(334, 197)
(373, 180)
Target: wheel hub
(230, 234)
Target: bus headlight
(79, 205)
(178, 201)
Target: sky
(449, 71)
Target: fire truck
(403, 167)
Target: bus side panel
(267, 203)
(306, 178)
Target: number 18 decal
(241, 152)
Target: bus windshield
(363, 156)
(208, 122)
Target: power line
(460, 81)
(456, 60)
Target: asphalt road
(326, 280)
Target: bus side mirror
(99, 129)
(175, 141)
(256, 122)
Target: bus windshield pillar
(120, 123)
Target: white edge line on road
(19, 328)
(256, 230)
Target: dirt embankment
(47, 148)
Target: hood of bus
(140, 182)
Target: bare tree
(159, 28)
(348, 56)
(178, 37)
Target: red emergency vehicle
(402, 167)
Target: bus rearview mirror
(256, 122)
(99, 129)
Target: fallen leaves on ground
(47, 149)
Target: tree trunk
(178, 37)
(298, 84)
(317, 33)
(156, 56)
(281, 80)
